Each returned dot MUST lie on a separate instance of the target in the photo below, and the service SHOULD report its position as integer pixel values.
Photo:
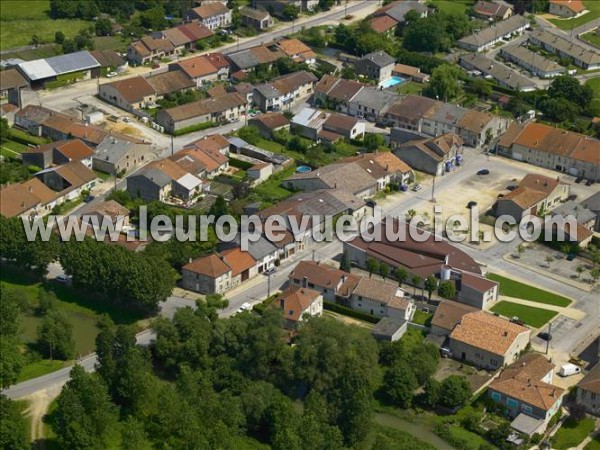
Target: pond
(303, 169)
(417, 430)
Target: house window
(526, 409)
(495, 396)
(493, 362)
(512, 404)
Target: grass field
(116, 43)
(422, 318)
(594, 83)
(593, 6)
(512, 288)
(453, 6)
(21, 19)
(592, 38)
(411, 87)
(39, 368)
(572, 434)
(534, 317)
(594, 444)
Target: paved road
(61, 376)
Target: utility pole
(268, 285)
(172, 150)
(433, 189)
(549, 337)
(313, 255)
(346, 9)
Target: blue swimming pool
(392, 82)
(303, 169)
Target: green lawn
(572, 434)
(39, 368)
(422, 318)
(116, 43)
(594, 83)
(594, 12)
(14, 146)
(20, 20)
(594, 444)
(534, 317)
(592, 38)
(512, 288)
(270, 191)
(411, 87)
(43, 51)
(453, 6)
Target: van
(568, 370)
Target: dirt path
(38, 407)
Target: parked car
(569, 369)
(572, 197)
(578, 180)
(270, 271)
(512, 187)
(417, 188)
(471, 204)
(64, 279)
(403, 187)
(111, 74)
(589, 182)
(571, 256)
(483, 172)
(371, 203)
(516, 320)
(545, 336)
(244, 307)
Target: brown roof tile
(210, 266)
(448, 314)
(169, 82)
(17, 198)
(382, 24)
(134, 89)
(591, 382)
(11, 79)
(197, 67)
(211, 9)
(296, 301)
(238, 260)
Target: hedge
(197, 127)
(23, 138)
(330, 306)
(239, 164)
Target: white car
(64, 279)
(111, 74)
(244, 307)
(417, 188)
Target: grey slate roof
(592, 203)
(498, 71)
(533, 59)
(497, 30)
(399, 11)
(374, 98)
(387, 327)
(381, 59)
(112, 149)
(155, 176)
(564, 45)
(448, 113)
(259, 249)
(571, 208)
(267, 91)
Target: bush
(330, 306)
(191, 129)
(239, 164)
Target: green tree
(14, 431)
(430, 285)
(400, 384)
(480, 87)
(401, 275)
(569, 88)
(372, 266)
(595, 273)
(384, 270)
(85, 417)
(35, 40)
(219, 208)
(59, 37)
(345, 263)
(154, 19)
(133, 435)
(373, 141)
(416, 281)
(444, 83)
(454, 391)
(290, 12)
(11, 359)
(559, 109)
(250, 134)
(103, 27)
(55, 336)
(447, 290)
(432, 389)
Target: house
(408, 112)
(535, 63)
(490, 36)
(164, 180)
(263, 251)
(309, 123)
(109, 60)
(149, 49)
(297, 303)
(395, 170)
(492, 11)
(297, 50)
(552, 148)
(525, 388)
(212, 15)
(566, 8)
(390, 16)
(256, 18)
(375, 66)
(117, 156)
(336, 93)
(382, 299)
(221, 62)
(11, 79)
(28, 199)
(245, 60)
(371, 104)
(592, 204)
(535, 195)
(110, 210)
(330, 282)
(260, 171)
(588, 391)
(128, 94)
(69, 181)
(487, 341)
(58, 153)
(410, 73)
(170, 83)
(346, 126)
(504, 75)
(398, 246)
(434, 156)
(282, 92)
(214, 143)
(581, 56)
(198, 69)
(218, 272)
(40, 71)
(277, 7)
(184, 37)
(229, 107)
(389, 329)
(269, 123)
(447, 315)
